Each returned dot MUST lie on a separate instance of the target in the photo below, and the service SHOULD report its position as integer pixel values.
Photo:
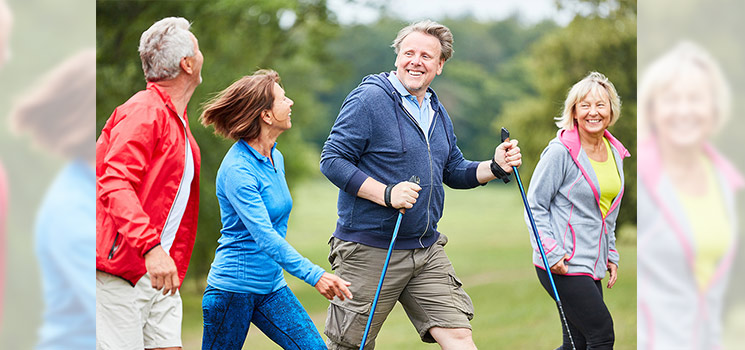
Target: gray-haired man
(147, 192)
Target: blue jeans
(279, 315)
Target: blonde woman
(575, 194)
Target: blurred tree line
(503, 73)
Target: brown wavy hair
(235, 112)
(59, 113)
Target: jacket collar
(164, 96)
(256, 153)
(401, 89)
(382, 81)
(650, 165)
(570, 139)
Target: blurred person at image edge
(59, 115)
(687, 220)
(5, 24)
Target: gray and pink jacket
(673, 311)
(564, 196)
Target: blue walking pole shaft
(505, 136)
(535, 234)
(414, 179)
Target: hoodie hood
(381, 80)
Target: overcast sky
(531, 11)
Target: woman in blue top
(245, 282)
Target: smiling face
(281, 108)
(593, 112)
(418, 62)
(683, 113)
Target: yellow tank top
(608, 178)
(710, 223)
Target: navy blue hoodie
(374, 136)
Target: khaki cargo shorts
(422, 280)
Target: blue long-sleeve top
(65, 246)
(255, 206)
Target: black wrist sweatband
(387, 195)
(499, 172)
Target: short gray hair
(163, 46)
(580, 90)
(439, 31)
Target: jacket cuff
(613, 257)
(315, 276)
(471, 178)
(554, 256)
(355, 182)
(149, 249)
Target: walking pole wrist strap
(499, 172)
(387, 195)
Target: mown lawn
(490, 250)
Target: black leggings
(589, 319)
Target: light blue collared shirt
(422, 114)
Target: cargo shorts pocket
(346, 320)
(340, 250)
(461, 300)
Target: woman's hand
(561, 268)
(331, 285)
(613, 268)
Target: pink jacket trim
(570, 139)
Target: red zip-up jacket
(140, 159)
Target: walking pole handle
(505, 134)
(415, 179)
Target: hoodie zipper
(429, 154)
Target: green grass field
(490, 250)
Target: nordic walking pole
(505, 136)
(414, 179)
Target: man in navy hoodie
(391, 127)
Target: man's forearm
(372, 190)
(483, 172)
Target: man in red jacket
(147, 189)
